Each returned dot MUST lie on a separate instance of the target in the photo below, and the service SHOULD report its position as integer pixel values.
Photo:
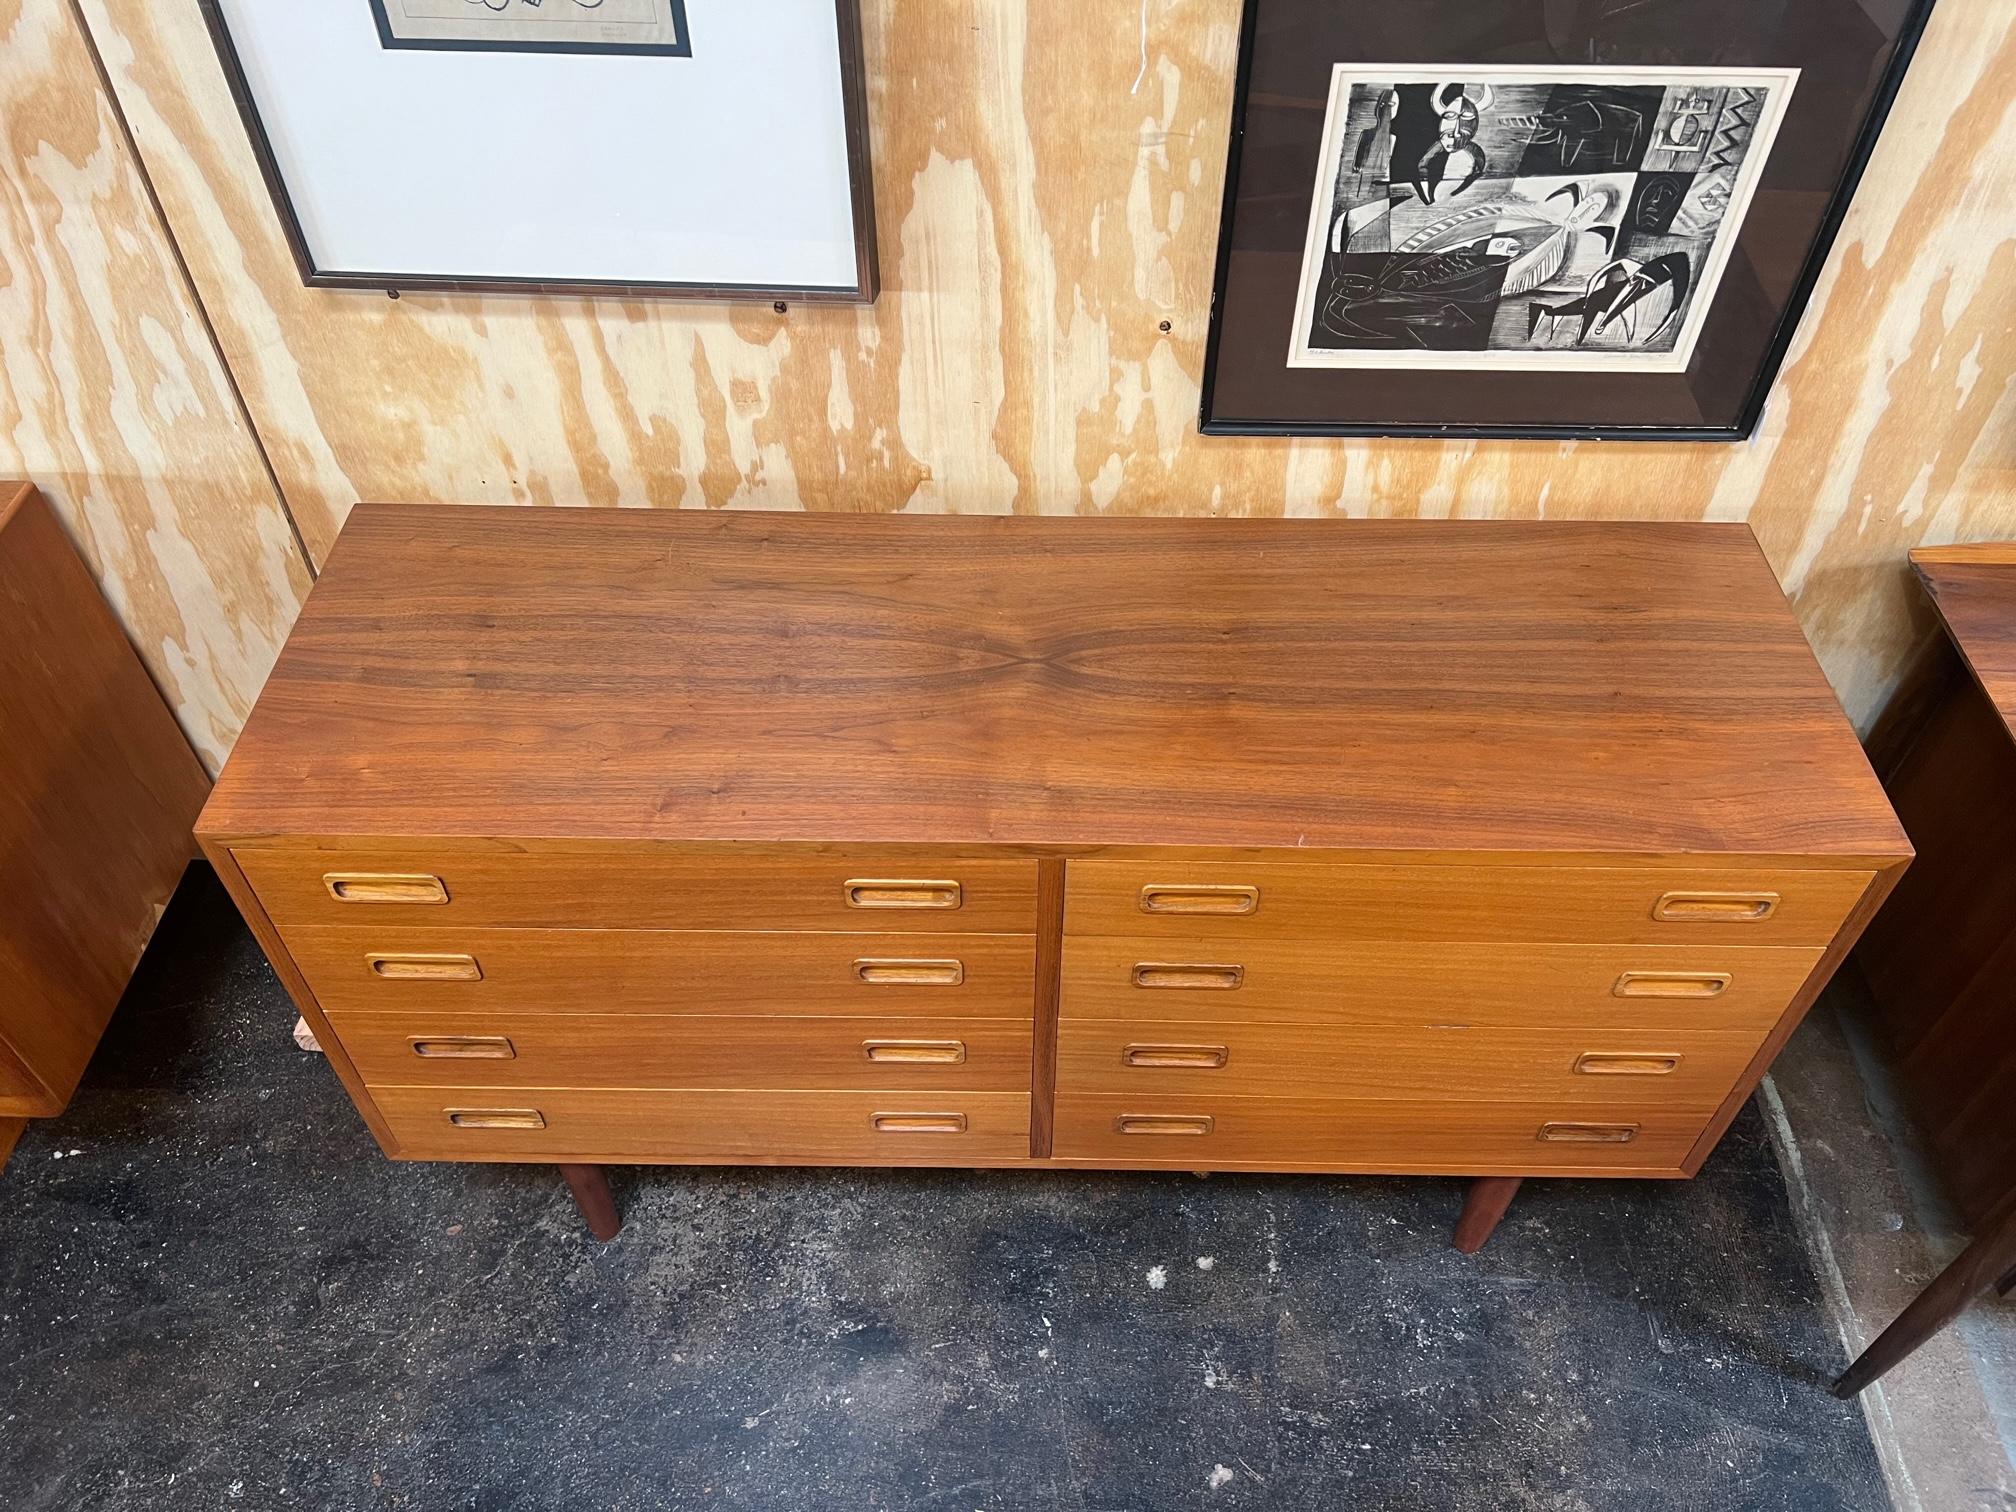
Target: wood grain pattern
(666, 971)
(98, 790)
(617, 889)
(114, 399)
(1050, 882)
(1973, 588)
(1879, 888)
(1567, 904)
(637, 1050)
(1320, 980)
(1934, 948)
(889, 681)
(1362, 1061)
(1046, 193)
(1939, 957)
(742, 1127)
(1397, 1135)
(797, 723)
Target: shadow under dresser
(1475, 848)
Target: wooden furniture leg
(10, 1131)
(590, 1187)
(1486, 1203)
(1987, 1260)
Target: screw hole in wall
(1164, 328)
(781, 308)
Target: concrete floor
(215, 1293)
(1878, 1229)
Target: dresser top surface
(1974, 589)
(479, 672)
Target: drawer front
(859, 1128)
(1572, 905)
(364, 968)
(1392, 1136)
(637, 1050)
(1502, 985)
(1571, 1067)
(432, 889)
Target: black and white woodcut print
(1490, 217)
(571, 26)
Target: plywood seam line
(146, 177)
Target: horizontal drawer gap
(464, 1017)
(893, 1089)
(1678, 1024)
(1227, 946)
(443, 926)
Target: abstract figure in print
(1614, 292)
(1527, 217)
(1455, 155)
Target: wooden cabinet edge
(1866, 908)
(217, 832)
(219, 854)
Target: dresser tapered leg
(590, 1187)
(1482, 1208)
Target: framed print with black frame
(696, 149)
(1545, 218)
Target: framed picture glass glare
(626, 148)
(1545, 218)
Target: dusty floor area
(1879, 1228)
(214, 1293)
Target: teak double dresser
(1475, 848)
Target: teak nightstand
(1488, 849)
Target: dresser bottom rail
(991, 1130)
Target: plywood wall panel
(113, 399)
(1047, 180)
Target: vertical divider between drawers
(1049, 975)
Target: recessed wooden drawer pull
(1715, 907)
(900, 893)
(385, 887)
(1163, 1123)
(1196, 1057)
(464, 1047)
(1672, 984)
(496, 1118)
(1588, 1133)
(424, 968)
(1203, 978)
(878, 973)
(919, 1123)
(1603, 1063)
(1161, 898)
(916, 1052)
